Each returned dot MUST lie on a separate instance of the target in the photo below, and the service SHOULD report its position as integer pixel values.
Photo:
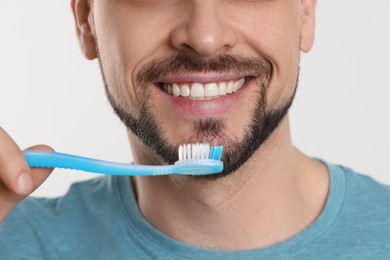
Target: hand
(17, 180)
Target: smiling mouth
(203, 91)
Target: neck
(274, 196)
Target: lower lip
(204, 108)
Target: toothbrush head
(200, 159)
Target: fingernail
(24, 183)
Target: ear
(84, 24)
(308, 24)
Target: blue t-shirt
(100, 219)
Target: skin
(278, 191)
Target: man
(271, 201)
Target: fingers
(14, 171)
(17, 180)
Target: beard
(264, 119)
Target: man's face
(214, 71)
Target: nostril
(188, 48)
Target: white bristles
(194, 151)
(188, 151)
(180, 151)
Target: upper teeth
(202, 91)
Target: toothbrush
(194, 159)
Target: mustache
(225, 63)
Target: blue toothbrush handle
(49, 159)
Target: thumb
(39, 175)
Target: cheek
(123, 48)
(130, 48)
(284, 80)
(276, 36)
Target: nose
(203, 30)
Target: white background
(50, 94)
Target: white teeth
(235, 86)
(241, 83)
(211, 90)
(229, 88)
(176, 90)
(185, 91)
(222, 89)
(199, 91)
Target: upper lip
(200, 78)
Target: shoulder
(355, 222)
(366, 205)
(362, 189)
(79, 197)
(358, 193)
(40, 223)
(363, 224)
